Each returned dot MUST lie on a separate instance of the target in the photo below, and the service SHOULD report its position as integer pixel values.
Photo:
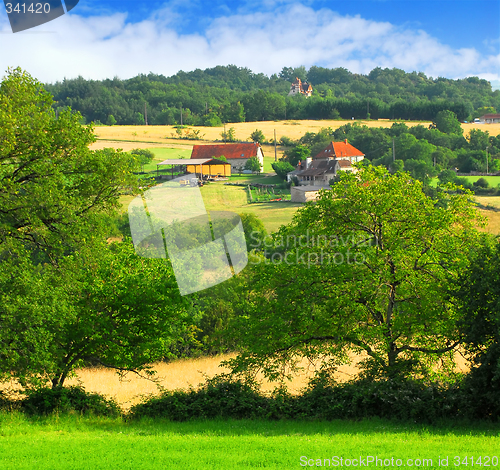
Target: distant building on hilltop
(298, 87)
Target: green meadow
(81, 443)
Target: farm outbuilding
(212, 167)
(236, 154)
(306, 193)
(490, 119)
(208, 167)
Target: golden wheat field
(180, 374)
(128, 137)
(185, 373)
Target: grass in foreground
(74, 442)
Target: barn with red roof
(236, 154)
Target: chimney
(345, 141)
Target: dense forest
(234, 94)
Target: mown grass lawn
(221, 197)
(73, 442)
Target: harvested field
(131, 136)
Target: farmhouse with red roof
(321, 169)
(236, 154)
(341, 151)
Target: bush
(481, 183)
(389, 399)
(287, 142)
(217, 398)
(282, 169)
(64, 400)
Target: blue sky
(106, 38)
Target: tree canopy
(52, 186)
(364, 269)
(235, 94)
(67, 296)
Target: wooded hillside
(235, 94)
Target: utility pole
(393, 151)
(145, 114)
(224, 132)
(181, 114)
(275, 150)
(487, 159)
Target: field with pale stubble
(151, 136)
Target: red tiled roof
(230, 151)
(344, 163)
(490, 116)
(340, 149)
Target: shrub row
(222, 397)
(411, 400)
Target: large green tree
(101, 305)
(446, 121)
(365, 269)
(67, 297)
(51, 184)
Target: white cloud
(107, 46)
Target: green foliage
(414, 401)
(297, 154)
(446, 121)
(478, 291)
(212, 120)
(229, 135)
(111, 121)
(217, 398)
(253, 165)
(282, 168)
(88, 300)
(235, 94)
(481, 183)
(380, 253)
(52, 186)
(181, 132)
(143, 156)
(102, 304)
(447, 176)
(396, 165)
(255, 232)
(257, 136)
(45, 401)
(286, 141)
